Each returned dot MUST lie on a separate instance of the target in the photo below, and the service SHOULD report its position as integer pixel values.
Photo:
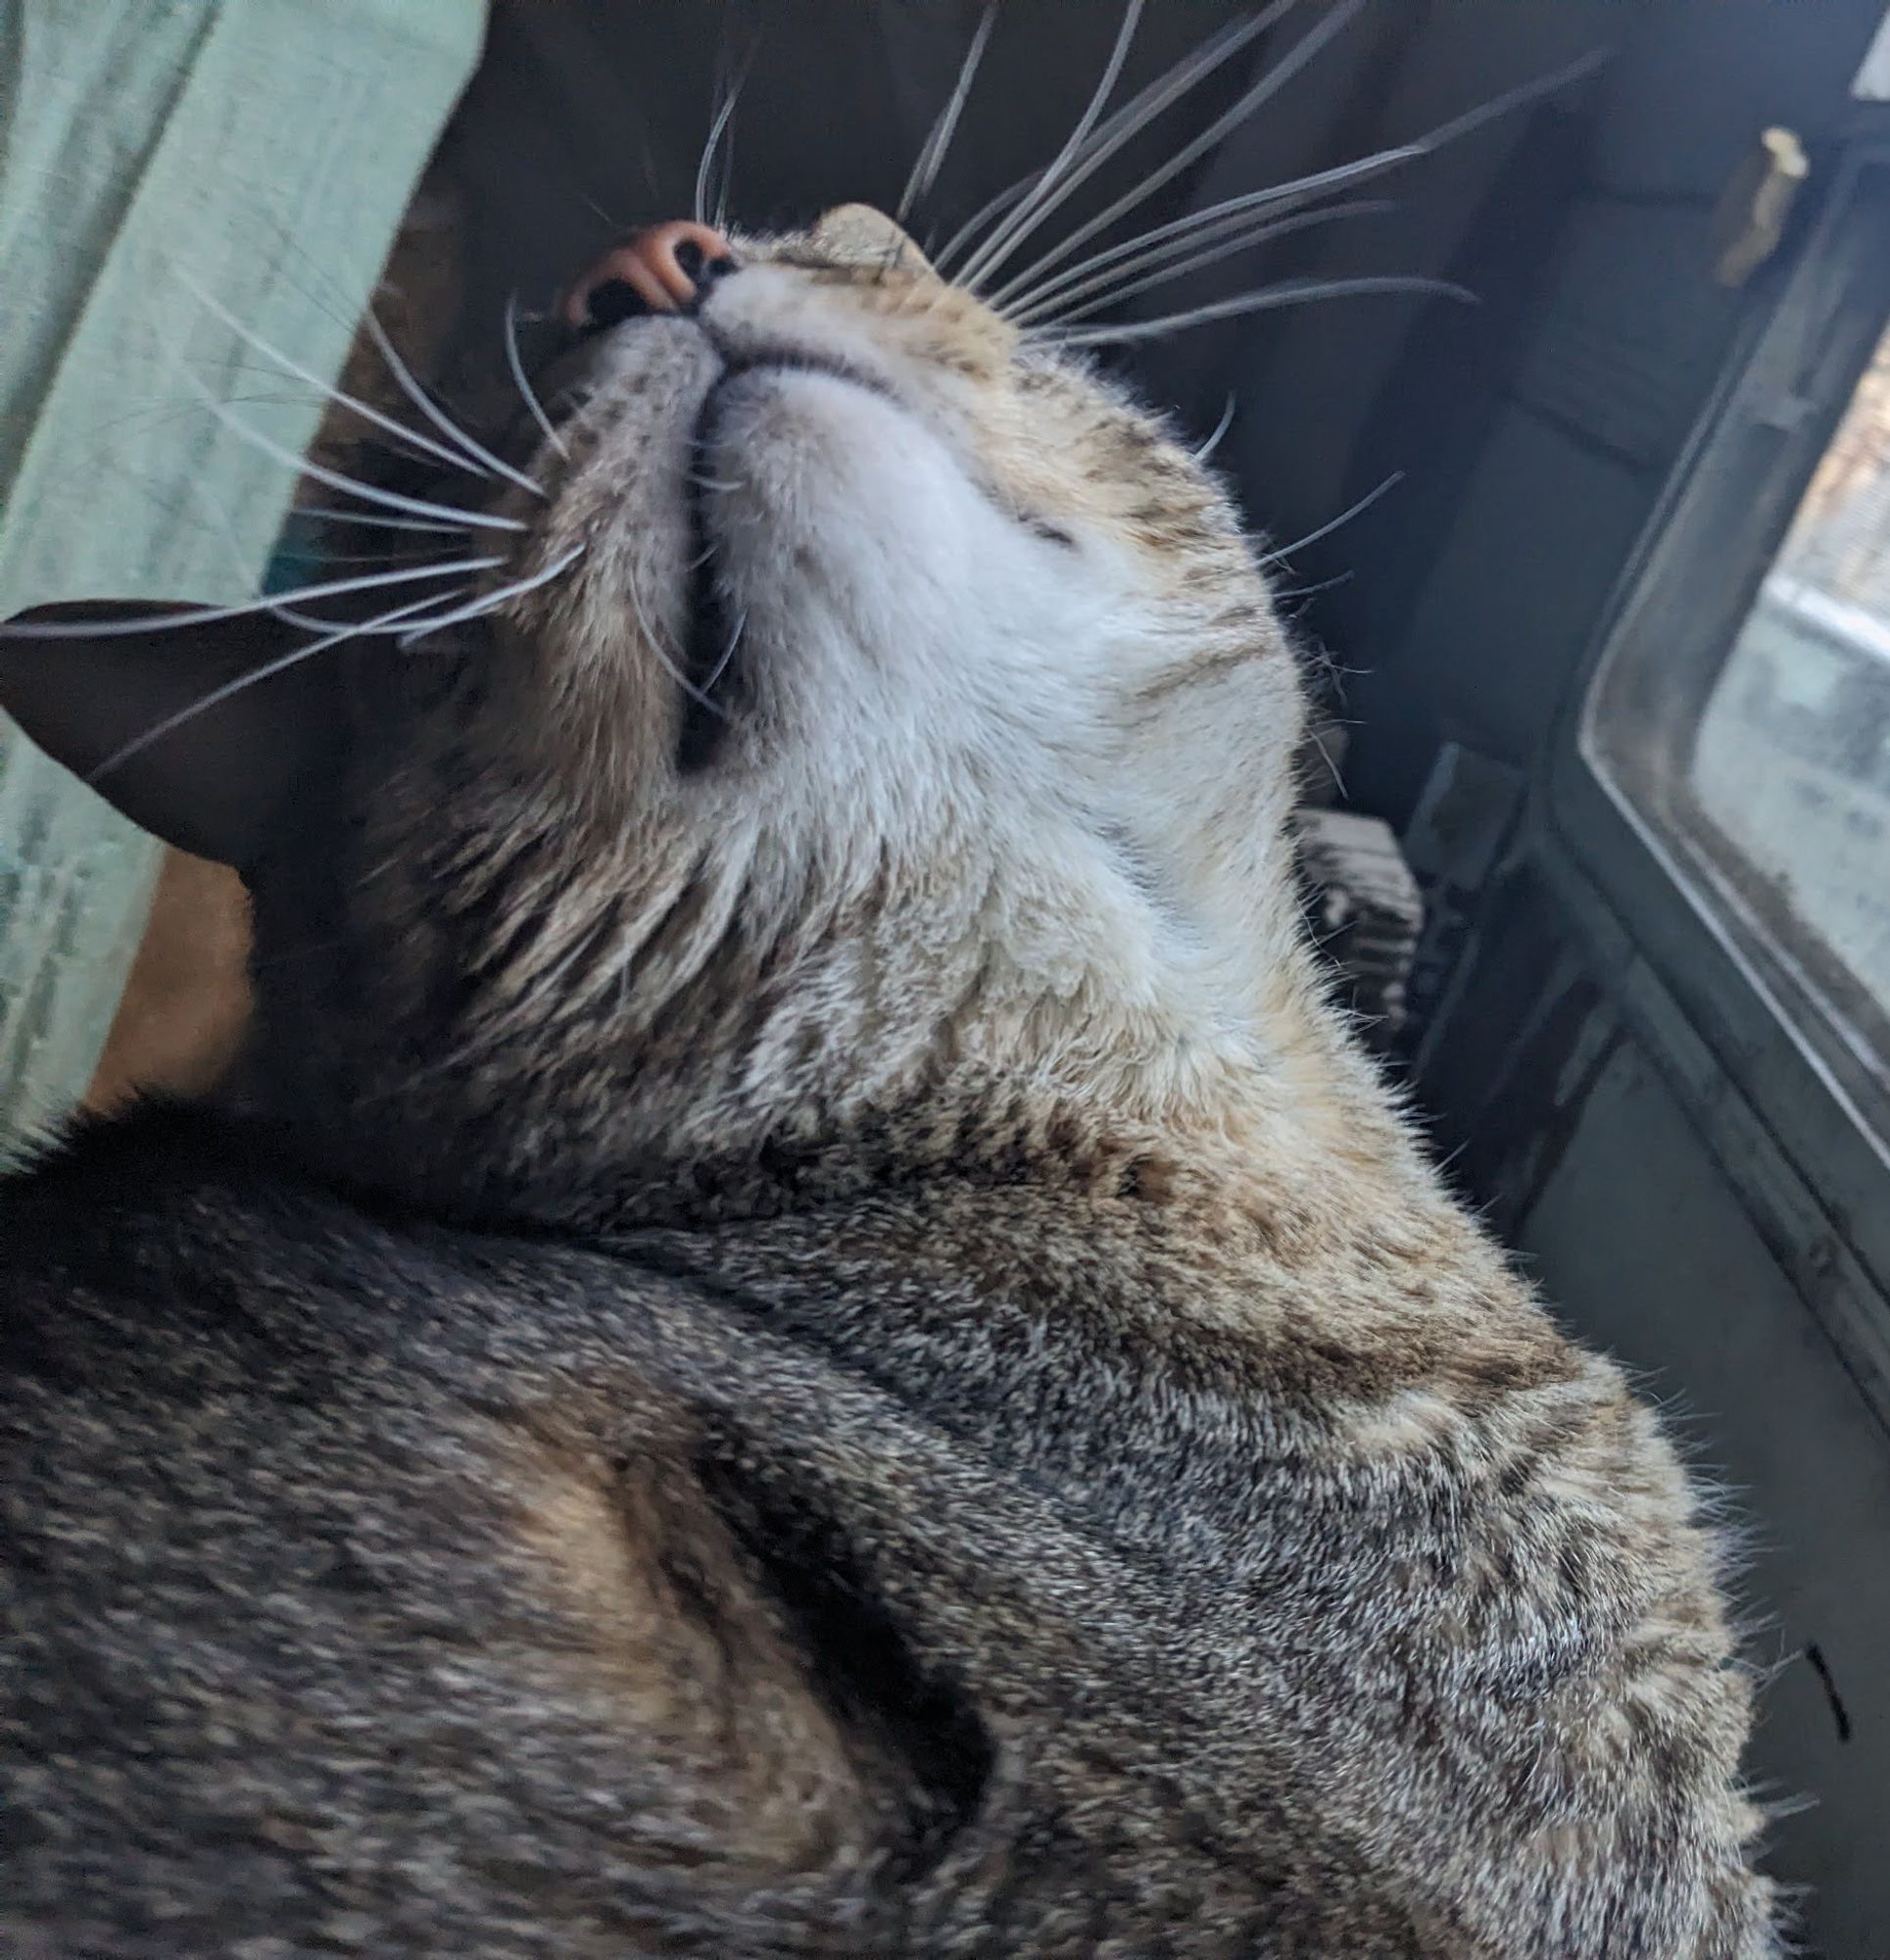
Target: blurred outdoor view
(1792, 761)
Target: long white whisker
(727, 185)
(120, 756)
(490, 602)
(1331, 524)
(516, 362)
(703, 169)
(1316, 184)
(932, 153)
(1031, 213)
(1269, 84)
(388, 556)
(59, 629)
(1158, 97)
(1153, 101)
(1121, 283)
(431, 409)
(329, 512)
(1511, 98)
(239, 559)
(726, 177)
(1129, 119)
(1216, 219)
(1175, 237)
(365, 410)
(1345, 577)
(1263, 300)
(403, 375)
(986, 212)
(1221, 428)
(303, 467)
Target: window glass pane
(1791, 765)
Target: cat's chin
(825, 499)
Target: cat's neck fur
(527, 1021)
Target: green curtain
(262, 151)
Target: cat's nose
(662, 269)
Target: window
(1728, 788)
(1790, 766)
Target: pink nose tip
(663, 267)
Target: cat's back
(372, 1585)
(945, 1569)
(362, 1590)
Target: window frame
(1794, 1103)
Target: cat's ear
(164, 721)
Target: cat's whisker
(1033, 209)
(664, 659)
(1154, 101)
(515, 362)
(725, 184)
(982, 217)
(1157, 97)
(383, 622)
(350, 486)
(330, 513)
(1281, 552)
(244, 570)
(491, 602)
(203, 615)
(932, 153)
(1310, 45)
(1183, 231)
(153, 419)
(728, 654)
(705, 168)
(423, 399)
(413, 557)
(1322, 585)
(1221, 428)
(1112, 287)
(1126, 122)
(1316, 184)
(288, 245)
(1192, 229)
(714, 482)
(365, 410)
(1264, 298)
(1324, 753)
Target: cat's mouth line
(715, 674)
(710, 676)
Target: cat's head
(871, 718)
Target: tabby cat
(801, 1331)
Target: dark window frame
(1783, 1048)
